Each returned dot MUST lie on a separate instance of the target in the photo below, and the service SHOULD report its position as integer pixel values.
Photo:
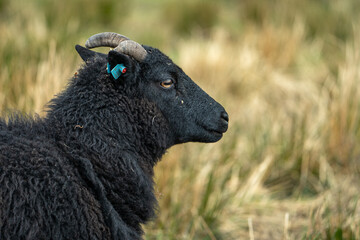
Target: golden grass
(288, 167)
(292, 137)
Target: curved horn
(105, 39)
(133, 49)
(121, 44)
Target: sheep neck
(122, 139)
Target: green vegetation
(287, 71)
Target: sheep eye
(167, 83)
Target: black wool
(85, 171)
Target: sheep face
(192, 115)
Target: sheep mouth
(216, 133)
(218, 130)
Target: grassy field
(288, 73)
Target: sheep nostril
(225, 116)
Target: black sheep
(85, 171)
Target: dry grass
(288, 168)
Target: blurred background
(288, 73)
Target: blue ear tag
(117, 70)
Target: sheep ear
(87, 54)
(115, 58)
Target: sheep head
(192, 115)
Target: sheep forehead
(156, 56)
(158, 63)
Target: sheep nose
(225, 116)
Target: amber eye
(167, 83)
